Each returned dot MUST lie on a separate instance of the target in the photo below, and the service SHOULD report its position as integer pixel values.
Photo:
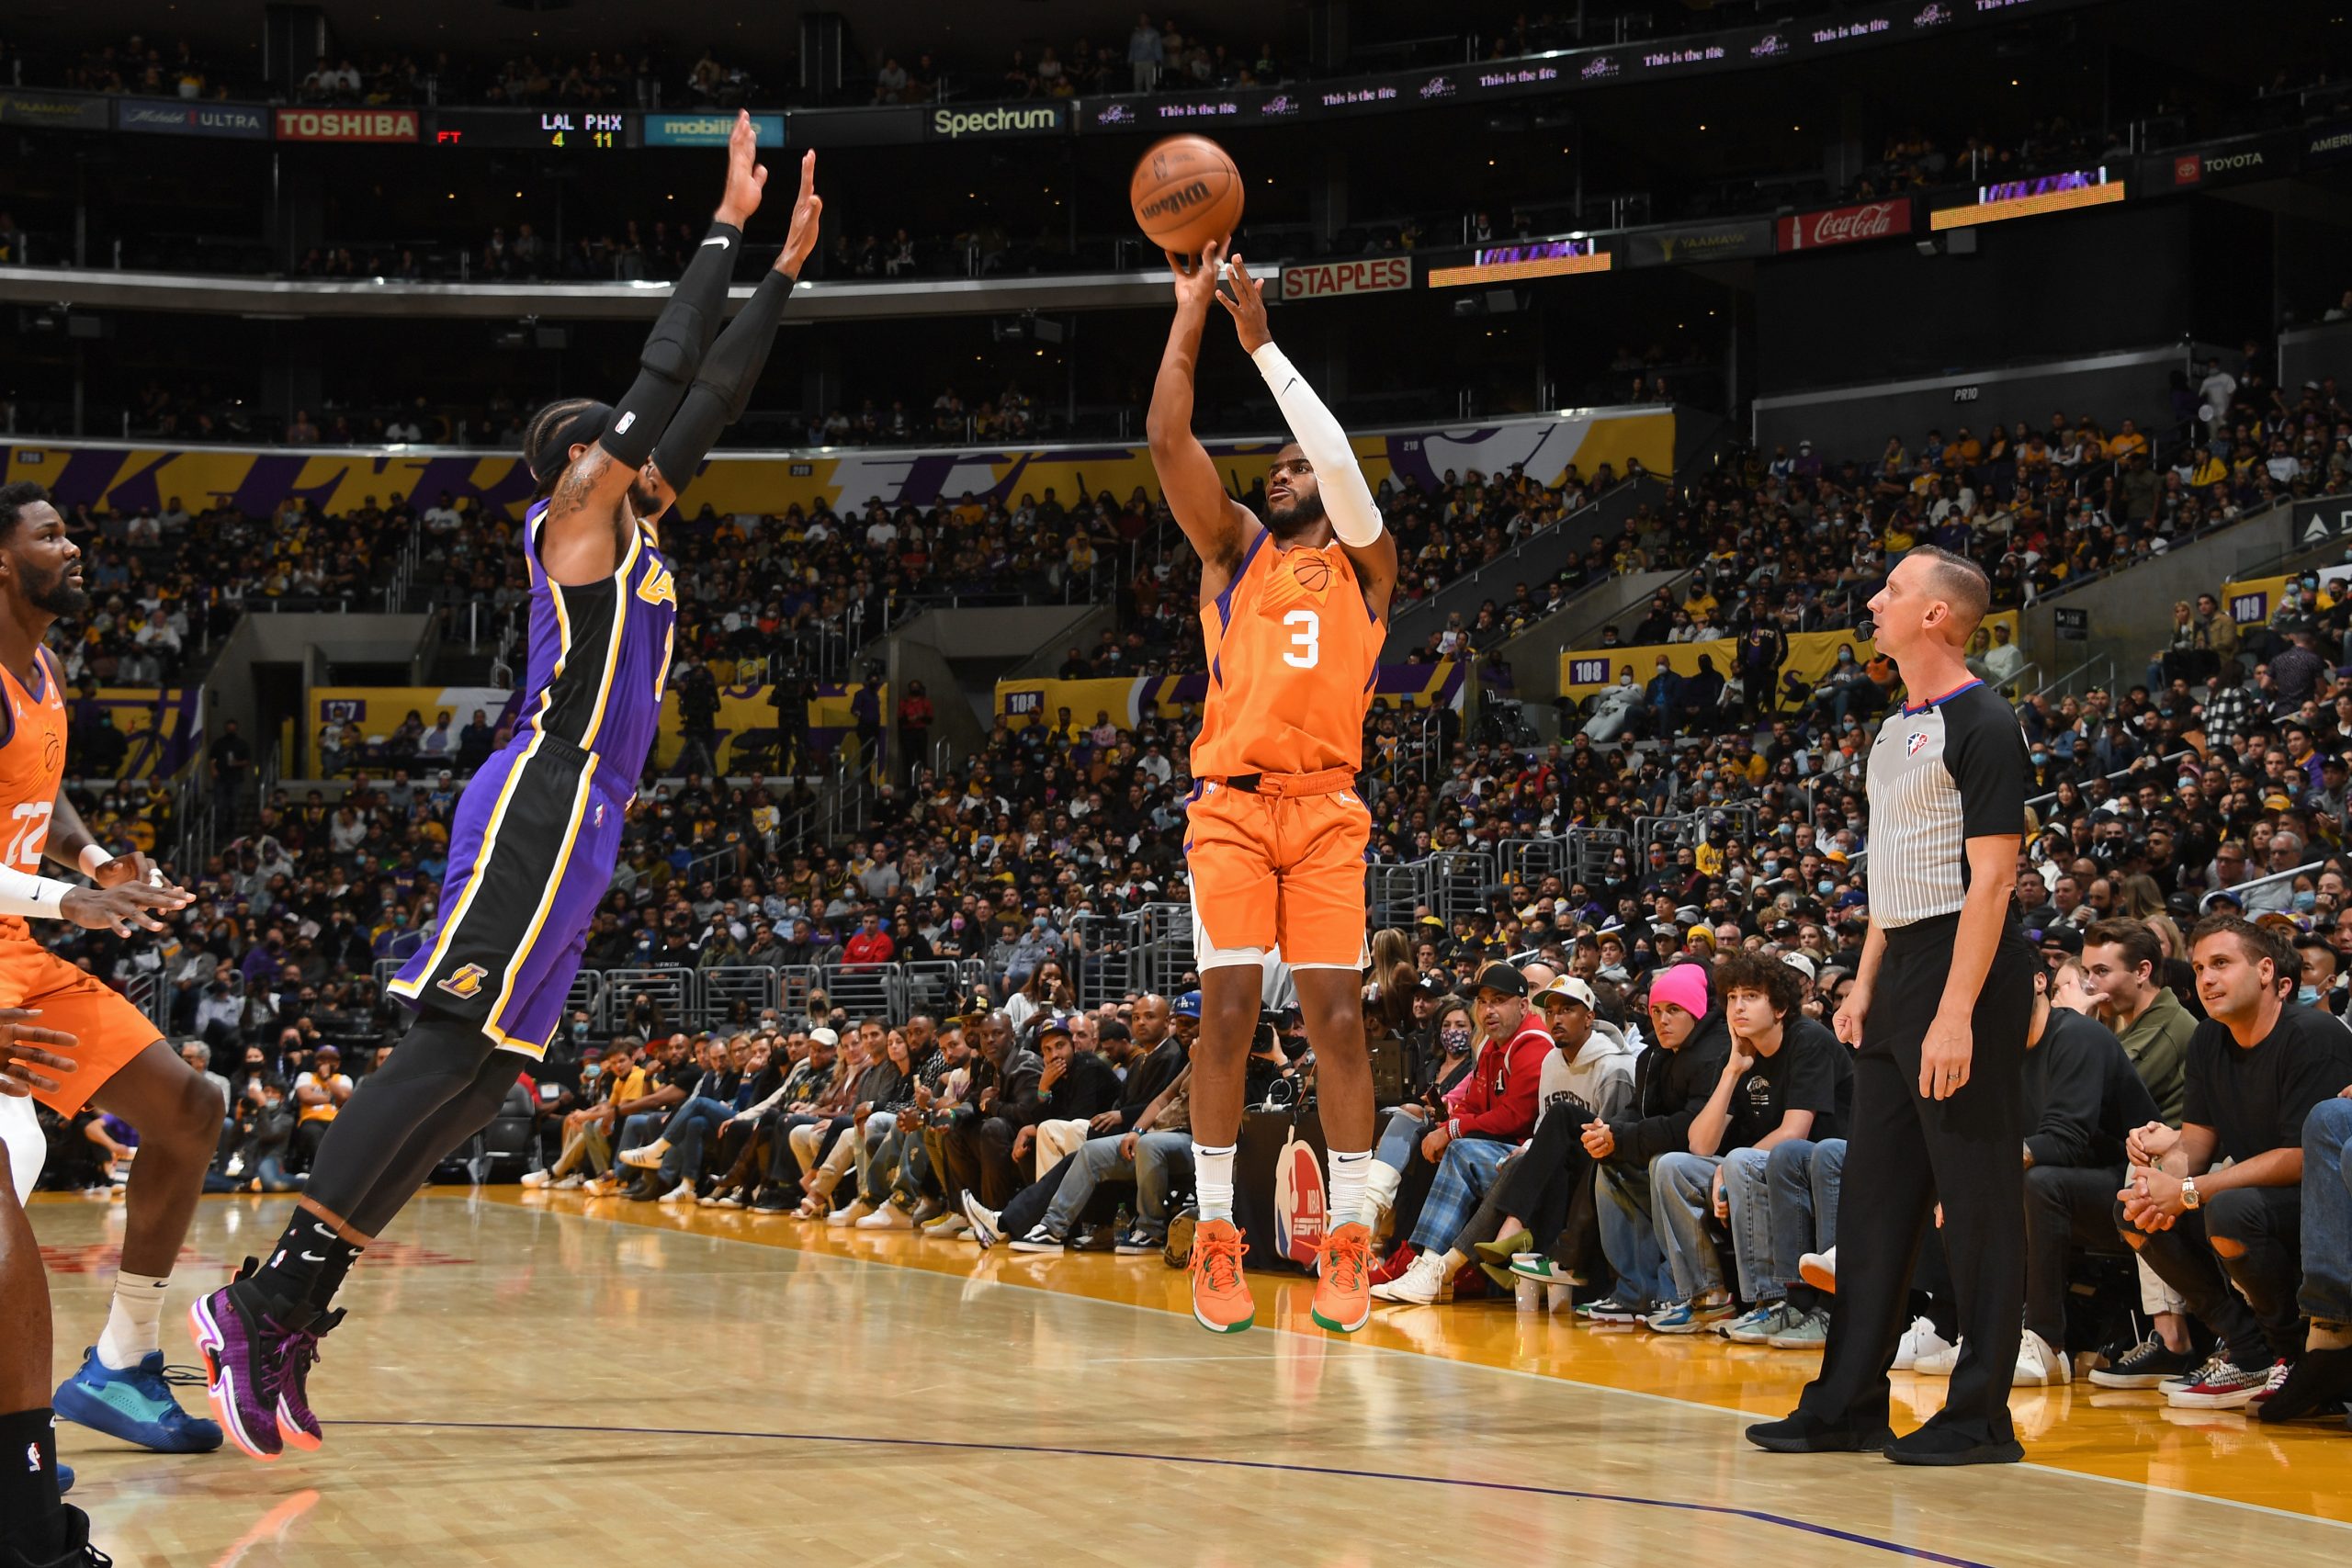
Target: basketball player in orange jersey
(121, 1064)
(1292, 612)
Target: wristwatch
(2188, 1198)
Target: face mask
(2308, 996)
(1824, 887)
(1455, 1041)
(592, 1071)
(2040, 758)
(2306, 902)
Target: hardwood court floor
(538, 1380)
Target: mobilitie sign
(183, 117)
(707, 130)
(952, 123)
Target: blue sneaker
(1688, 1317)
(64, 1479)
(136, 1405)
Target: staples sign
(1845, 225)
(1322, 280)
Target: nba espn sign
(346, 125)
(1325, 280)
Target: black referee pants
(1904, 1152)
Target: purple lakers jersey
(599, 654)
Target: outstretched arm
(1218, 526)
(732, 367)
(1346, 499)
(580, 542)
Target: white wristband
(93, 857)
(33, 897)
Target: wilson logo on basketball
(1175, 201)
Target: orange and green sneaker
(1343, 1293)
(1221, 1300)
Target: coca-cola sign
(1845, 225)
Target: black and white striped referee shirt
(1941, 773)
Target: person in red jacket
(1494, 1115)
(872, 945)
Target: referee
(1938, 1016)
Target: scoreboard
(562, 131)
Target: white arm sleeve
(34, 898)
(1346, 499)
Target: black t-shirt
(1811, 1071)
(2256, 1097)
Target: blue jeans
(1628, 1237)
(1682, 1199)
(1463, 1177)
(686, 1129)
(1394, 1147)
(1158, 1157)
(641, 1128)
(2327, 1213)
(1783, 1205)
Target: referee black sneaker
(1803, 1434)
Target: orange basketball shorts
(1277, 871)
(107, 1031)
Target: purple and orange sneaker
(298, 1424)
(245, 1349)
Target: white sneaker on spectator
(1919, 1339)
(1819, 1269)
(684, 1193)
(571, 1183)
(647, 1155)
(936, 1223)
(1424, 1283)
(841, 1219)
(2040, 1364)
(537, 1178)
(983, 1222)
(1939, 1363)
(1039, 1239)
(950, 1227)
(888, 1217)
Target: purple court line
(1757, 1514)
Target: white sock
(132, 1332)
(1212, 1180)
(1348, 1172)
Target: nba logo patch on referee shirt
(1919, 740)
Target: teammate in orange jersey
(1293, 612)
(121, 1063)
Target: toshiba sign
(1320, 280)
(1844, 225)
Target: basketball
(1185, 192)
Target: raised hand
(807, 209)
(747, 177)
(1196, 286)
(1247, 307)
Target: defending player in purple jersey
(539, 828)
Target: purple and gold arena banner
(117, 477)
(1128, 701)
(158, 723)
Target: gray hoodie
(1599, 1083)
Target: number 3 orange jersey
(1293, 651)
